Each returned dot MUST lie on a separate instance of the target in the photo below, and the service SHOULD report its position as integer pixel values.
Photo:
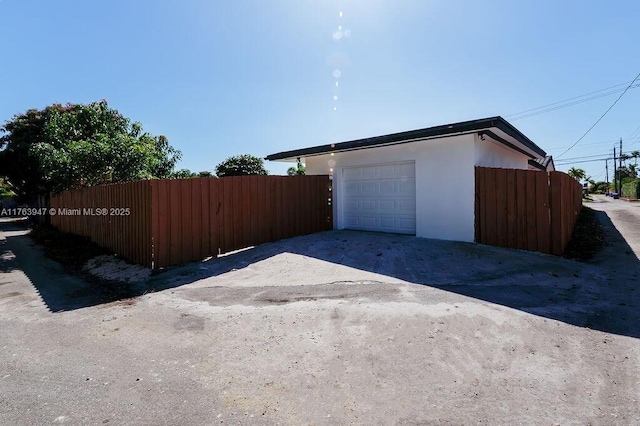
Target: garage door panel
(368, 205)
(351, 205)
(368, 221)
(380, 198)
(387, 222)
(407, 206)
(407, 188)
(387, 205)
(368, 173)
(388, 188)
(352, 222)
(407, 170)
(385, 172)
(407, 224)
(352, 173)
(368, 188)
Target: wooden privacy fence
(174, 221)
(526, 209)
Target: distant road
(625, 216)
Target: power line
(635, 132)
(610, 141)
(558, 105)
(634, 135)
(601, 117)
(564, 160)
(566, 105)
(583, 161)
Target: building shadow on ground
(59, 289)
(601, 295)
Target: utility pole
(620, 168)
(606, 168)
(615, 185)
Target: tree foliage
(182, 174)
(5, 189)
(599, 187)
(69, 146)
(300, 169)
(577, 174)
(241, 165)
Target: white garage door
(380, 197)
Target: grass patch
(588, 237)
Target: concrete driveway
(333, 328)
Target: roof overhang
(543, 163)
(495, 128)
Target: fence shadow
(58, 289)
(600, 295)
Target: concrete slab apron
(333, 328)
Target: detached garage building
(420, 182)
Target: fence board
(124, 235)
(510, 191)
(479, 206)
(491, 212)
(556, 213)
(182, 220)
(526, 209)
(532, 226)
(542, 211)
(520, 209)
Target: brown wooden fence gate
(526, 209)
(174, 221)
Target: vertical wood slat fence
(175, 221)
(526, 209)
(128, 235)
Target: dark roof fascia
(506, 143)
(508, 128)
(537, 165)
(543, 163)
(465, 127)
(357, 148)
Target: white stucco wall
(489, 153)
(444, 182)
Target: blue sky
(220, 78)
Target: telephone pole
(615, 176)
(620, 169)
(606, 168)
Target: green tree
(599, 187)
(68, 146)
(5, 189)
(183, 174)
(241, 165)
(577, 174)
(300, 169)
(205, 174)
